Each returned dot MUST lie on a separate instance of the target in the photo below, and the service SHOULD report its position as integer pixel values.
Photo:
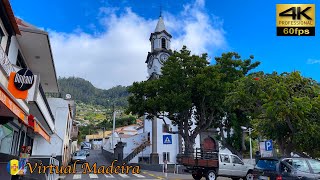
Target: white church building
(164, 146)
(154, 144)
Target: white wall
(60, 111)
(173, 148)
(131, 144)
(108, 144)
(43, 148)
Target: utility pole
(103, 136)
(250, 129)
(114, 126)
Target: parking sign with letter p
(269, 145)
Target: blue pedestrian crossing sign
(167, 139)
(269, 145)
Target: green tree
(232, 68)
(284, 107)
(188, 89)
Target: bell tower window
(163, 43)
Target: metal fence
(46, 161)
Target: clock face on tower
(163, 58)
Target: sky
(107, 41)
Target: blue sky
(114, 34)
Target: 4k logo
(295, 19)
(296, 13)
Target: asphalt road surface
(97, 157)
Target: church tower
(160, 49)
(165, 145)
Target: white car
(232, 166)
(79, 156)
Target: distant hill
(83, 91)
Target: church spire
(160, 26)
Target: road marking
(138, 175)
(124, 175)
(93, 176)
(109, 176)
(77, 176)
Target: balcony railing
(46, 102)
(53, 95)
(5, 63)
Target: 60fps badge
(295, 19)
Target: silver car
(79, 156)
(232, 166)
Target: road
(97, 157)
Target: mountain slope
(83, 91)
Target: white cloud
(117, 55)
(313, 61)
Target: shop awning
(11, 108)
(38, 129)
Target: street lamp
(249, 130)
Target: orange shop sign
(5, 99)
(20, 82)
(38, 129)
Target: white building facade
(60, 146)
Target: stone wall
(108, 155)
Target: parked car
(86, 152)
(80, 156)
(213, 164)
(293, 168)
(232, 166)
(85, 145)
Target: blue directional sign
(167, 139)
(269, 145)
